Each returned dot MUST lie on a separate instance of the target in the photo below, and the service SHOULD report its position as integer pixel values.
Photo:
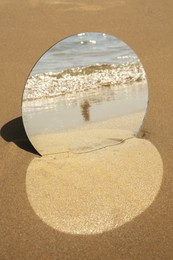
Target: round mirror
(86, 92)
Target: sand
(29, 28)
(94, 178)
(91, 136)
(99, 184)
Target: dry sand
(99, 184)
(95, 178)
(93, 135)
(29, 28)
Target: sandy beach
(91, 136)
(96, 210)
(90, 190)
(100, 175)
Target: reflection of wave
(129, 92)
(82, 81)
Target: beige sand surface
(28, 29)
(90, 136)
(87, 191)
(95, 178)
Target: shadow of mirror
(14, 131)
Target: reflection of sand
(95, 178)
(96, 191)
(88, 135)
(79, 140)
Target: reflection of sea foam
(90, 80)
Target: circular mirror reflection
(80, 91)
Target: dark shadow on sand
(14, 131)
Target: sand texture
(94, 191)
(92, 136)
(136, 224)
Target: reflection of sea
(50, 115)
(82, 81)
(82, 50)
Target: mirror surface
(86, 92)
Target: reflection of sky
(82, 50)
